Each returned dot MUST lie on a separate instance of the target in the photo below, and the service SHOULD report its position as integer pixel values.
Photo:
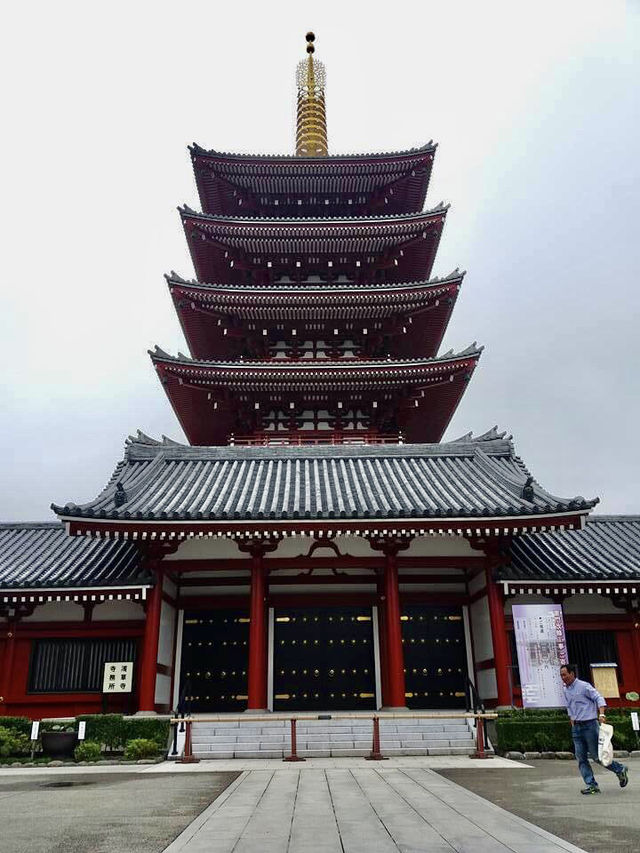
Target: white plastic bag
(605, 747)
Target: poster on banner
(542, 649)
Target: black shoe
(591, 789)
(623, 777)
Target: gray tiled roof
(479, 478)
(42, 555)
(309, 288)
(322, 371)
(314, 162)
(607, 549)
(341, 225)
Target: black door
(215, 649)
(435, 658)
(323, 659)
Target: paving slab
(548, 793)
(359, 808)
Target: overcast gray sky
(535, 107)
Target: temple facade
(315, 545)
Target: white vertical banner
(542, 649)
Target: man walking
(585, 707)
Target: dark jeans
(585, 740)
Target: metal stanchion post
(188, 757)
(376, 755)
(293, 756)
(480, 740)
(174, 749)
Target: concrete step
(326, 738)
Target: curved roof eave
(198, 150)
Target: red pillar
(7, 668)
(501, 653)
(148, 666)
(635, 641)
(395, 697)
(257, 691)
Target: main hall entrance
(323, 659)
(435, 656)
(213, 670)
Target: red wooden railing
(297, 439)
(481, 750)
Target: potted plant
(59, 741)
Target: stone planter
(59, 745)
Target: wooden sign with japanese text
(118, 677)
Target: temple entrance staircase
(333, 737)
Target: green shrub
(13, 743)
(550, 730)
(150, 729)
(141, 747)
(88, 750)
(106, 729)
(113, 731)
(624, 736)
(530, 735)
(22, 725)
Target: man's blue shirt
(583, 701)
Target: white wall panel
(117, 610)
(167, 630)
(163, 690)
(169, 587)
(481, 630)
(594, 603)
(57, 611)
(477, 583)
(206, 549)
(487, 686)
(435, 546)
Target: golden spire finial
(311, 128)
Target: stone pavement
(548, 793)
(46, 811)
(349, 807)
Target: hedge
(22, 725)
(114, 730)
(550, 731)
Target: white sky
(536, 111)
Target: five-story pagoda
(316, 546)
(313, 318)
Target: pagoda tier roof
(227, 249)
(211, 398)
(232, 184)
(607, 549)
(42, 555)
(315, 160)
(471, 487)
(210, 312)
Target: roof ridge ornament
(141, 438)
(120, 496)
(311, 123)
